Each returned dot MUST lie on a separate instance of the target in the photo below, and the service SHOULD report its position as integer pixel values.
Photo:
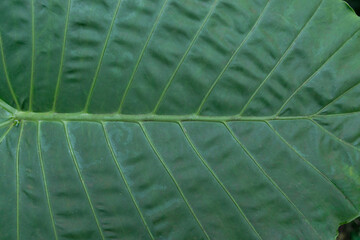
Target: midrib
(51, 116)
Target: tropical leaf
(178, 119)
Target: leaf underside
(174, 119)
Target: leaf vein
(310, 164)
(7, 75)
(141, 56)
(101, 57)
(45, 182)
(214, 175)
(232, 58)
(18, 184)
(6, 133)
(334, 136)
(211, 11)
(262, 170)
(172, 178)
(32, 55)
(124, 179)
(82, 180)
(338, 97)
(280, 60)
(314, 74)
(58, 83)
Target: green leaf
(178, 119)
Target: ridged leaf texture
(178, 119)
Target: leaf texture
(174, 119)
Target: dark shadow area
(355, 4)
(350, 231)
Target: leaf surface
(166, 119)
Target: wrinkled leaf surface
(178, 119)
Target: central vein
(141, 117)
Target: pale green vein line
(101, 57)
(231, 58)
(337, 98)
(262, 170)
(334, 115)
(124, 179)
(211, 11)
(314, 74)
(82, 180)
(18, 185)
(173, 178)
(44, 179)
(141, 117)
(32, 55)
(58, 83)
(285, 54)
(6, 107)
(7, 75)
(310, 164)
(51, 116)
(217, 179)
(6, 133)
(5, 123)
(141, 56)
(334, 136)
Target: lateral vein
(172, 178)
(141, 56)
(82, 180)
(310, 164)
(211, 11)
(125, 181)
(284, 55)
(262, 170)
(204, 162)
(45, 182)
(101, 57)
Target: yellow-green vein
(44, 180)
(18, 184)
(32, 55)
(262, 170)
(334, 136)
(172, 178)
(58, 83)
(82, 180)
(310, 164)
(212, 8)
(7, 75)
(337, 98)
(314, 74)
(6, 133)
(284, 55)
(151, 117)
(203, 101)
(101, 57)
(124, 179)
(2, 124)
(204, 162)
(141, 56)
